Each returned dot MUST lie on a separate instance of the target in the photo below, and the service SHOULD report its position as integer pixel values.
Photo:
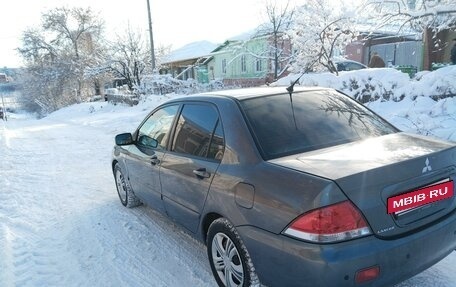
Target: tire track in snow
(136, 251)
(79, 237)
(8, 207)
(6, 256)
(34, 221)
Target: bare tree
(274, 32)
(160, 52)
(418, 14)
(129, 57)
(320, 30)
(73, 28)
(58, 52)
(35, 49)
(280, 19)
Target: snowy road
(61, 223)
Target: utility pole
(3, 108)
(152, 50)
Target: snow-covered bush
(373, 84)
(385, 84)
(437, 84)
(166, 84)
(364, 85)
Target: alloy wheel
(121, 187)
(227, 261)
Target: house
(189, 62)
(3, 78)
(239, 63)
(247, 61)
(243, 61)
(407, 50)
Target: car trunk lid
(373, 170)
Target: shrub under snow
(383, 84)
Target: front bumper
(283, 261)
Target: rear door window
(199, 132)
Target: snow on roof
(245, 36)
(260, 31)
(388, 30)
(190, 51)
(200, 49)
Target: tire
(224, 245)
(126, 195)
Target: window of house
(279, 65)
(258, 65)
(199, 132)
(243, 64)
(224, 66)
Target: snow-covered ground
(61, 222)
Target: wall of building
(355, 51)
(408, 53)
(241, 60)
(249, 63)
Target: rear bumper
(283, 261)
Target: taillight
(337, 222)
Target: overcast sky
(175, 22)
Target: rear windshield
(284, 125)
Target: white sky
(175, 22)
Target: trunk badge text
(385, 229)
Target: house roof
(190, 51)
(244, 36)
(385, 31)
(196, 50)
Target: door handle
(154, 160)
(201, 173)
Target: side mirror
(124, 139)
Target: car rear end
(357, 240)
(416, 173)
(398, 244)
(367, 261)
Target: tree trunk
(276, 56)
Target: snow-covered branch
(321, 32)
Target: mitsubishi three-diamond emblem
(428, 166)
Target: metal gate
(408, 53)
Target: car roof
(247, 93)
(349, 61)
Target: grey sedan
(293, 188)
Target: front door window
(154, 132)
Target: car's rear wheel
(228, 257)
(126, 195)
